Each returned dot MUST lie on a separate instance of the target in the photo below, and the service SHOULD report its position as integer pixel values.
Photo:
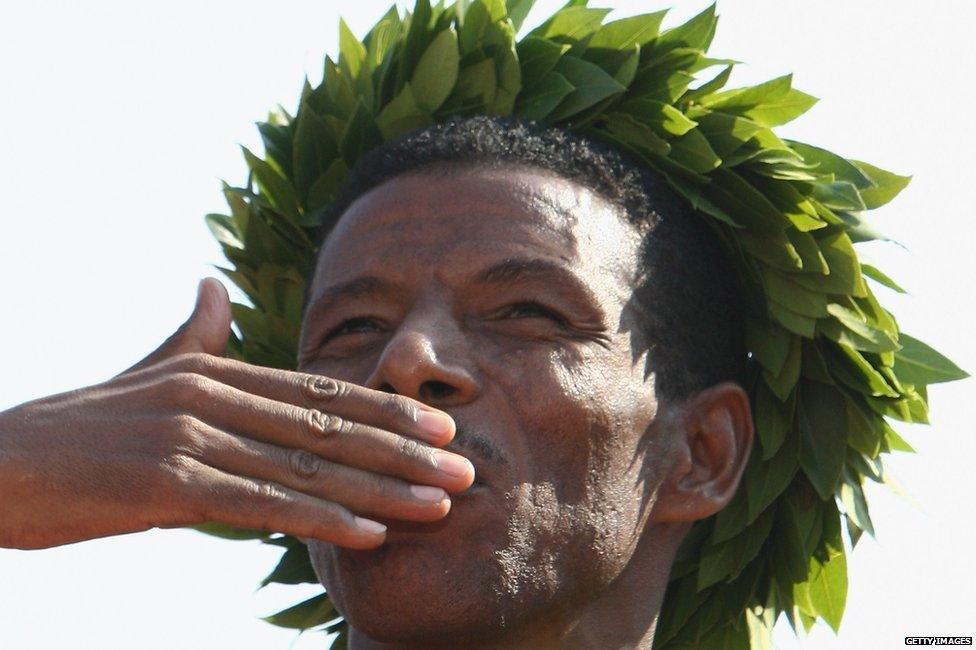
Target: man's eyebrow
(514, 269)
(361, 287)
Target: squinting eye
(359, 325)
(532, 310)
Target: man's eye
(532, 310)
(358, 325)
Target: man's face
(498, 296)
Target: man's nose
(425, 360)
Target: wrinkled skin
(585, 483)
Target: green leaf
(827, 588)
(822, 416)
(918, 364)
(855, 505)
(293, 568)
(571, 25)
(665, 85)
(845, 270)
(224, 230)
(830, 163)
(864, 432)
(783, 110)
(277, 141)
(518, 10)
(273, 186)
(797, 323)
(352, 53)
(540, 99)
(693, 151)
(851, 368)
(838, 195)
(324, 190)
(726, 133)
(360, 135)
(538, 56)
(875, 274)
(811, 258)
(772, 419)
(783, 382)
(771, 103)
(764, 481)
(895, 442)
(790, 560)
(814, 365)
(724, 561)
(304, 615)
(710, 86)
(792, 296)
(770, 345)
(314, 150)
(417, 38)
(746, 204)
(590, 85)
(625, 33)
(402, 114)
(856, 323)
(696, 34)
(664, 118)
(884, 185)
(509, 80)
(636, 133)
(436, 72)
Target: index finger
(384, 410)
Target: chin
(414, 590)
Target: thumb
(206, 330)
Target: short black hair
(689, 311)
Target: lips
(483, 453)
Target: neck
(623, 615)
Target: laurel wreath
(831, 369)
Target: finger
(205, 331)
(347, 400)
(214, 495)
(360, 491)
(331, 437)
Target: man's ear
(712, 440)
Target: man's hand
(185, 437)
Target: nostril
(433, 390)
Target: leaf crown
(832, 368)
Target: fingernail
(436, 423)
(454, 465)
(428, 493)
(370, 526)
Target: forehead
(448, 219)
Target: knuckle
(322, 389)
(179, 434)
(174, 478)
(399, 409)
(268, 492)
(321, 425)
(184, 362)
(186, 387)
(415, 451)
(379, 488)
(304, 464)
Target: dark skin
(497, 297)
(500, 296)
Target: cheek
(584, 415)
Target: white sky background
(119, 119)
